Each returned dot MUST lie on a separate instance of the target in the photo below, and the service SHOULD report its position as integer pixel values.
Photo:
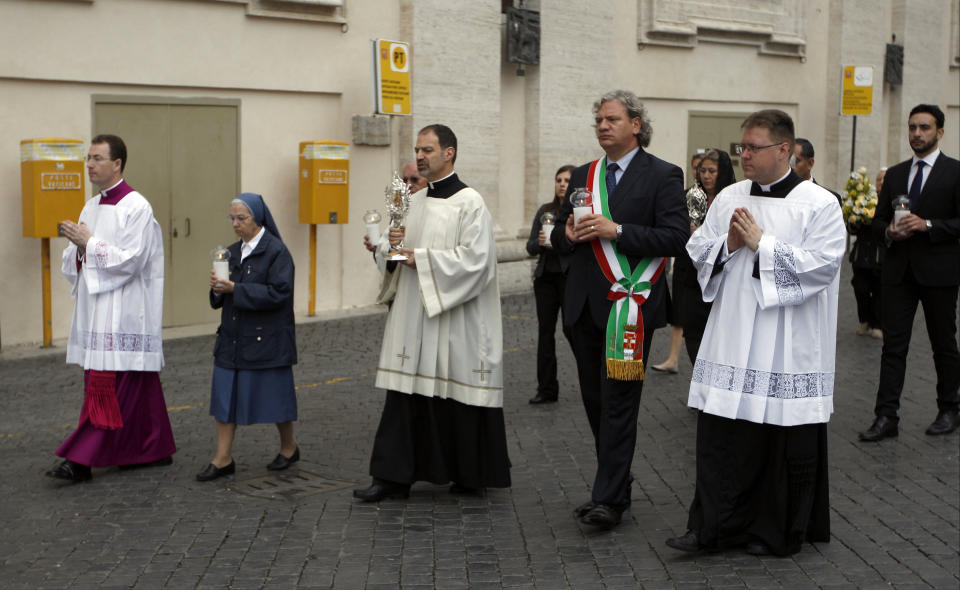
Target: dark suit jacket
(650, 203)
(933, 256)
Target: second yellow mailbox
(51, 184)
(324, 182)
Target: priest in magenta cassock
(768, 257)
(441, 360)
(115, 263)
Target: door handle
(187, 221)
(175, 232)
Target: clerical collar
(780, 188)
(112, 195)
(445, 187)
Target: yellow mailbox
(51, 183)
(324, 182)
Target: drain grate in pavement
(288, 485)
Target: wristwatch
(620, 231)
(929, 225)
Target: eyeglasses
(749, 147)
(240, 218)
(411, 179)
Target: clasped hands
(78, 233)
(591, 227)
(396, 235)
(909, 225)
(743, 231)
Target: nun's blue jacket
(256, 322)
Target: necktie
(611, 178)
(917, 184)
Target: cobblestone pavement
(894, 504)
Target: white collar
(250, 246)
(430, 184)
(766, 187)
(929, 159)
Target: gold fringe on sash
(623, 370)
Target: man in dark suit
(922, 266)
(644, 219)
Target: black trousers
(940, 314)
(548, 291)
(867, 290)
(612, 407)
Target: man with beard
(922, 266)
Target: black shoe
(280, 462)
(602, 515)
(380, 490)
(689, 542)
(71, 471)
(213, 472)
(883, 427)
(757, 548)
(456, 488)
(158, 463)
(582, 509)
(946, 422)
(542, 398)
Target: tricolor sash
(629, 289)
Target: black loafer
(158, 463)
(689, 542)
(883, 427)
(945, 423)
(582, 509)
(542, 398)
(280, 462)
(380, 490)
(459, 489)
(71, 471)
(757, 548)
(213, 472)
(602, 515)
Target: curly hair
(634, 108)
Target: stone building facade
(285, 71)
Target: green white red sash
(629, 289)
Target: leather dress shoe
(582, 509)
(883, 427)
(280, 462)
(602, 515)
(689, 542)
(213, 472)
(71, 471)
(380, 490)
(158, 463)
(757, 548)
(946, 422)
(456, 488)
(542, 398)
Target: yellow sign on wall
(857, 93)
(391, 66)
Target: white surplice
(118, 313)
(443, 336)
(769, 348)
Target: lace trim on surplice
(765, 383)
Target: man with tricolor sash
(615, 296)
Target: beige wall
(300, 80)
